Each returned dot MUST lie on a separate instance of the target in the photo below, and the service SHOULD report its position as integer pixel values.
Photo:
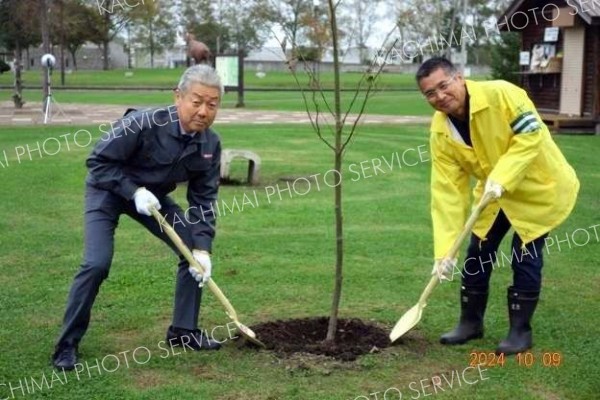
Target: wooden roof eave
(581, 12)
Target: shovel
(230, 311)
(413, 316)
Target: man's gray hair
(202, 74)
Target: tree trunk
(151, 45)
(105, 42)
(105, 65)
(62, 44)
(18, 90)
(339, 233)
(240, 91)
(45, 27)
(27, 61)
(62, 65)
(128, 27)
(74, 57)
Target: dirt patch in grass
(354, 337)
(413, 341)
(146, 379)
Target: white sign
(551, 34)
(227, 68)
(524, 58)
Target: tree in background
(318, 31)
(77, 25)
(289, 16)
(153, 26)
(203, 18)
(505, 57)
(441, 26)
(246, 24)
(363, 17)
(112, 22)
(20, 28)
(420, 21)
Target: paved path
(90, 114)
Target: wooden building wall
(591, 82)
(544, 89)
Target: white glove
(493, 188)
(203, 258)
(145, 201)
(443, 268)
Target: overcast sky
(383, 26)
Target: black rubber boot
(473, 301)
(521, 306)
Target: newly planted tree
(329, 116)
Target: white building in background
(170, 58)
(90, 57)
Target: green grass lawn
(168, 78)
(382, 102)
(274, 260)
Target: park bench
(228, 155)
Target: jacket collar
(478, 99)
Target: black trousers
(102, 212)
(526, 262)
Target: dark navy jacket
(146, 148)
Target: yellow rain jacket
(511, 146)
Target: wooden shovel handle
(190, 258)
(485, 200)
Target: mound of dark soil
(354, 337)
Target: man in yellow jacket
(492, 132)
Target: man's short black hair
(433, 64)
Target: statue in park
(198, 51)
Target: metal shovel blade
(229, 310)
(413, 316)
(248, 334)
(407, 322)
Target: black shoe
(521, 306)
(65, 357)
(196, 339)
(473, 301)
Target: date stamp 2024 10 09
(526, 359)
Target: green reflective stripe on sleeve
(531, 127)
(523, 121)
(520, 118)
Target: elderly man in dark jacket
(130, 171)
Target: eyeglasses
(442, 87)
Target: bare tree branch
(314, 121)
(372, 79)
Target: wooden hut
(560, 59)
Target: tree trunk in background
(74, 58)
(62, 44)
(105, 43)
(18, 89)
(26, 65)
(45, 28)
